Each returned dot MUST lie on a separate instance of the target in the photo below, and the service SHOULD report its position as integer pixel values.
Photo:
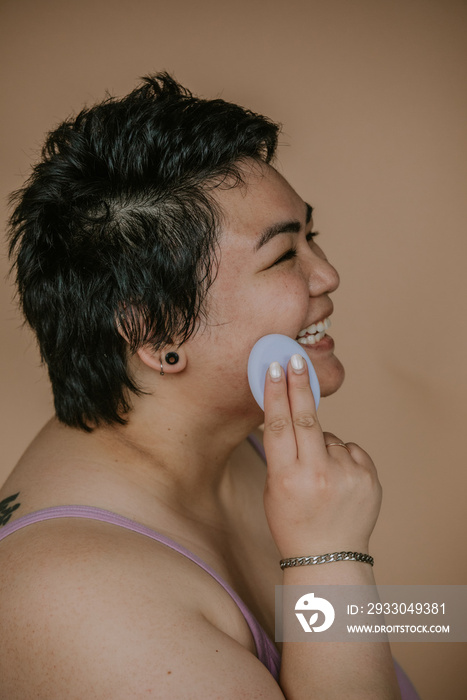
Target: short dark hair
(117, 225)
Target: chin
(330, 377)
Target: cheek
(287, 300)
(277, 311)
(248, 307)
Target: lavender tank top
(266, 651)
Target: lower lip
(326, 343)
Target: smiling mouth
(314, 333)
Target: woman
(154, 245)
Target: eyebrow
(292, 226)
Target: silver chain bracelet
(325, 558)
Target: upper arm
(90, 627)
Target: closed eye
(292, 252)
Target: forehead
(263, 200)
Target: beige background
(373, 98)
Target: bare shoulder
(89, 611)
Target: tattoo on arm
(6, 509)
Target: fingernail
(275, 371)
(298, 363)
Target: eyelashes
(292, 253)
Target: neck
(183, 446)
(179, 459)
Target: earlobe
(163, 361)
(171, 358)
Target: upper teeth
(315, 332)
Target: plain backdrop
(372, 95)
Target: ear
(157, 360)
(154, 359)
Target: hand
(317, 499)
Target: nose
(323, 277)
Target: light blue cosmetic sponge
(276, 348)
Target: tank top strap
(265, 649)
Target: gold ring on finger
(338, 444)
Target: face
(272, 278)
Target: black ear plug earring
(171, 358)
